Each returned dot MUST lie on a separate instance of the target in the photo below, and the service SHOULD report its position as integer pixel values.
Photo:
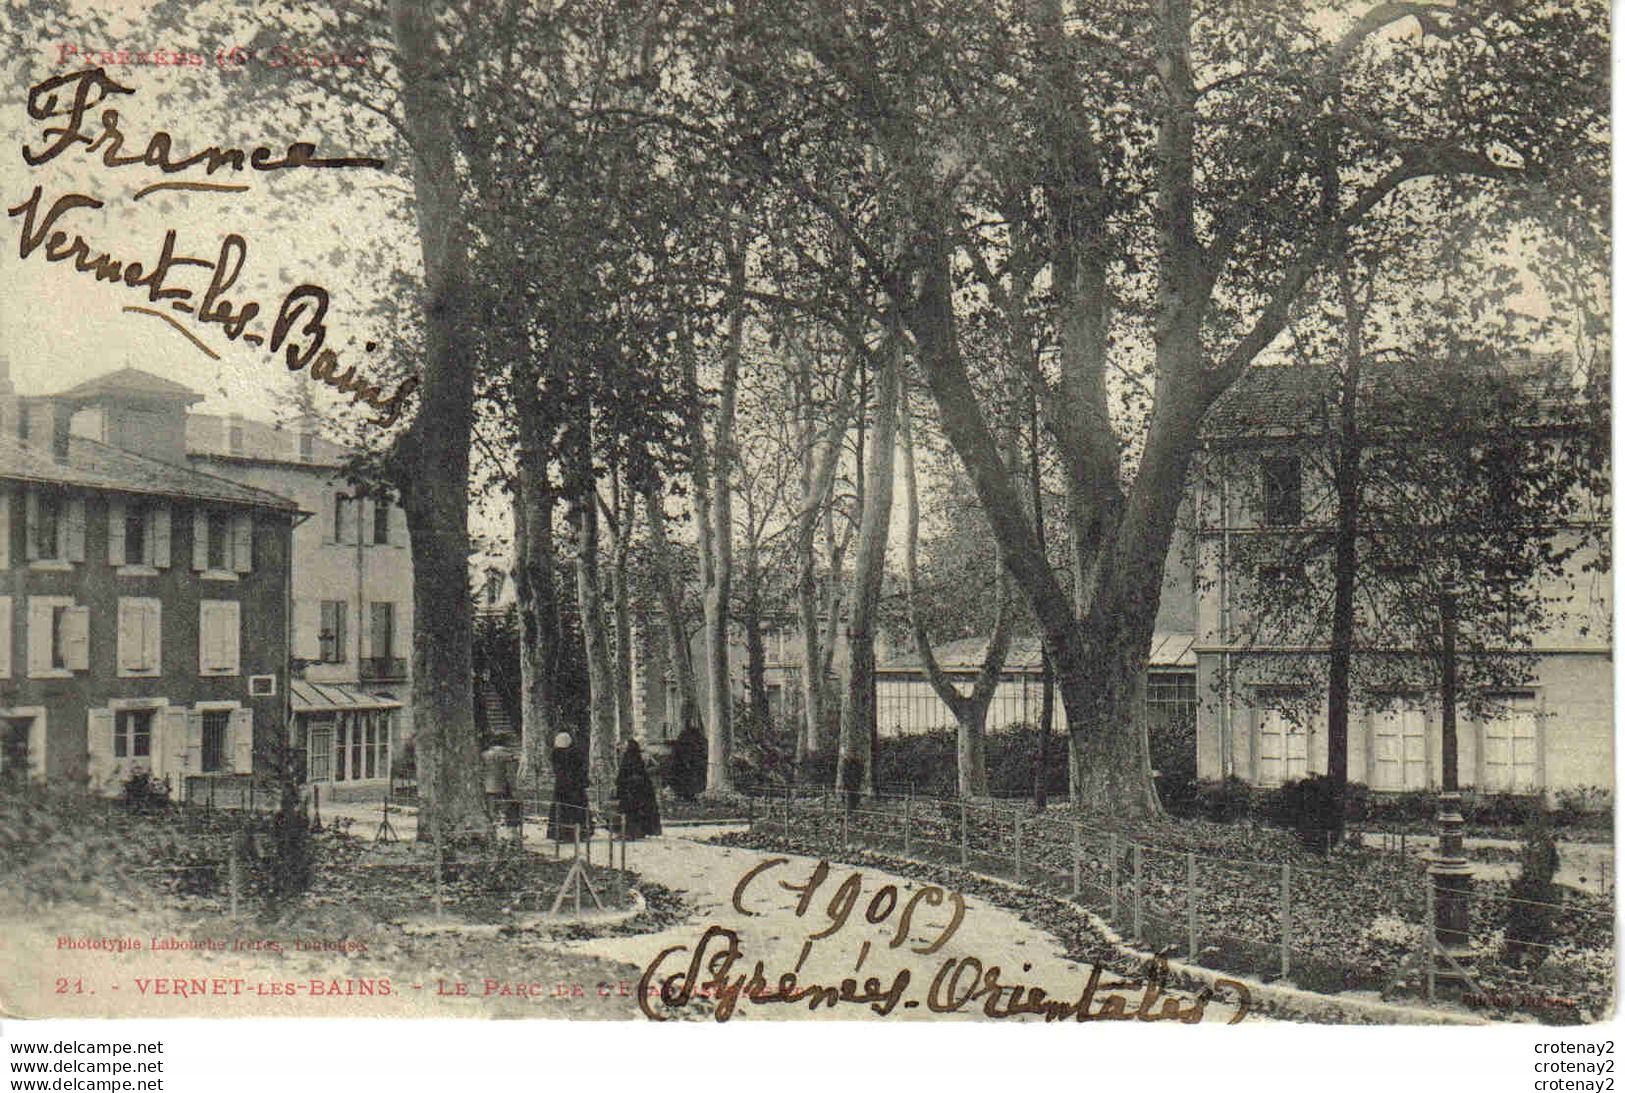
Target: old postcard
(1062, 513)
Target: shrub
(1307, 807)
(1224, 802)
(684, 769)
(1531, 911)
(1173, 757)
(144, 793)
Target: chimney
(8, 399)
(43, 425)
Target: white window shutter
(115, 532)
(76, 638)
(152, 635)
(242, 547)
(5, 529)
(129, 634)
(194, 741)
(200, 539)
(205, 636)
(307, 627)
(231, 636)
(158, 536)
(39, 636)
(99, 745)
(5, 637)
(242, 740)
(30, 525)
(75, 545)
(169, 751)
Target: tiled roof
(1297, 400)
(308, 697)
(1168, 650)
(130, 381)
(94, 465)
(208, 436)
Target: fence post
(845, 835)
(1286, 920)
(1190, 905)
(1428, 938)
(1077, 860)
(233, 872)
(964, 832)
(1018, 849)
(1114, 860)
(1139, 901)
(623, 844)
(907, 817)
(787, 810)
(750, 812)
(439, 867)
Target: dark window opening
(216, 724)
(132, 734)
(1283, 490)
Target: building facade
(351, 595)
(144, 605)
(1265, 475)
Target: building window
(1282, 742)
(1399, 746)
(344, 518)
(58, 636)
(132, 734)
(216, 732)
(46, 531)
(333, 638)
(1171, 694)
(380, 521)
(234, 436)
(307, 447)
(135, 534)
(219, 637)
(219, 540)
(1511, 745)
(383, 629)
(1283, 490)
(223, 542)
(319, 748)
(139, 636)
(361, 747)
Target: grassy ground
(76, 865)
(1352, 921)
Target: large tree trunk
(536, 589)
(755, 663)
(431, 461)
(671, 610)
(856, 768)
(970, 711)
(820, 459)
(1345, 559)
(602, 725)
(713, 502)
(623, 505)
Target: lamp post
(1448, 873)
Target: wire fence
(1241, 915)
(486, 871)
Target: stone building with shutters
(351, 589)
(143, 604)
(1265, 476)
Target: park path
(707, 874)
